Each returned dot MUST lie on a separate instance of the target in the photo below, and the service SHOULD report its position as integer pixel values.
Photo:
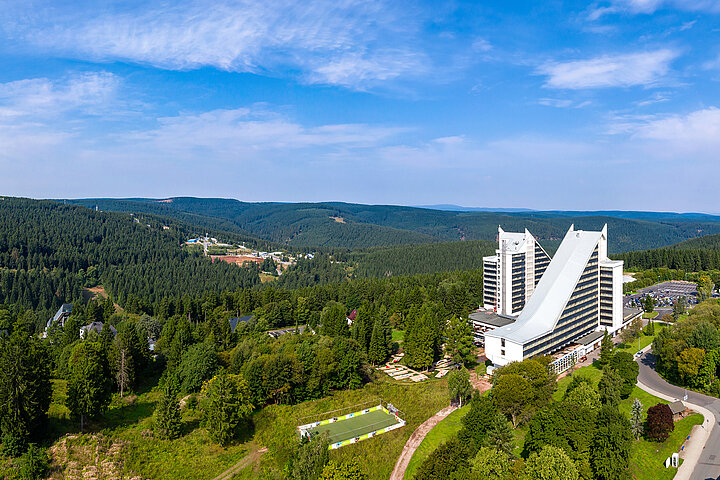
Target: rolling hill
(347, 225)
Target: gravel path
(415, 440)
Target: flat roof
(492, 318)
(630, 312)
(590, 338)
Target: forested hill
(424, 258)
(50, 251)
(693, 255)
(360, 226)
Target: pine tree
(89, 382)
(606, 349)
(378, 349)
(459, 340)
(167, 412)
(636, 418)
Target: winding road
(708, 466)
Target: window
(502, 343)
(502, 352)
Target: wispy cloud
(248, 130)
(651, 6)
(624, 70)
(351, 43)
(43, 97)
(563, 103)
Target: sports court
(358, 426)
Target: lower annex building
(578, 296)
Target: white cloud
(324, 41)
(43, 97)
(625, 70)
(699, 127)
(246, 130)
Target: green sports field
(356, 426)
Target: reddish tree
(659, 423)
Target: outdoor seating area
(401, 372)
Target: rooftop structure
(61, 315)
(510, 276)
(96, 327)
(234, 322)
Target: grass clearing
(442, 432)
(129, 421)
(275, 425)
(398, 335)
(647, 460)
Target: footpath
(415, 440)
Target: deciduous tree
(459, 387)
(551, 463)
(659, 423)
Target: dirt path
(415, 440)
(247, 460)
(480, 384)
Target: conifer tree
(378, 349)
(636, 418)
(167, 412)
(459, 340)
(606, 349)
(89, 382)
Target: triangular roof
(544, 308)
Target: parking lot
(665, 294)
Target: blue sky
(546, 105)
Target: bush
(659, 423)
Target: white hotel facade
(548, 305)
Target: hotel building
(578, 293)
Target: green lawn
(193, 456)
(275, 425)
(442, 432)
(647, 460)
(398, 335)
(594, 372)
(650, 314)
(640, 343)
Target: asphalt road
(708, 468)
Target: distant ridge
(352, 226)
(448, 207)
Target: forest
(49, 252)
(353, 226)
(688, 353)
